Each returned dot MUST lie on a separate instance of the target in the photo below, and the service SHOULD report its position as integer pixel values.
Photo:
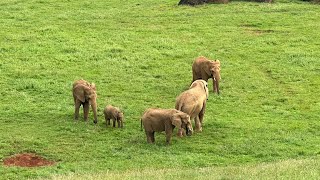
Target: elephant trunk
(216, 85)
(94, 109)
(121, 122)
(188, 131)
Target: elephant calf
(115, 114)
(158, 120)
(84, 94)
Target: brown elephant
(193, 102)
(114, 113)
(85, 94)
(203, 68)
(158, 120)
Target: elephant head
(182, 120)
(86, 93)
(203, 84)
(214, 69)
(120, 116)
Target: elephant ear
(217, 62)
(194, 84)
(93, 86)
(205, 88)
(185, 118)
(91, 94)
(176, 120)
(204, 84)
(120, 115)
(78, 91)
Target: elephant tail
(141, 124)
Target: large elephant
(203, 68)
(114, 113)
(158, 120)
(85, 94)
(193, 102)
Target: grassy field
(289, 169)
(139, 54)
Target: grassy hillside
(139, 54)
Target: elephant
(114, 113)
(203, 68)
(158, 120)
(193, 102)
(85, 94)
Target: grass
(289, 169)
(139, 54)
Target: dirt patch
(27, 160)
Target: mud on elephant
(203, 68)
(158, 120)
(84, 94)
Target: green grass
(139, 54)
(289, 169)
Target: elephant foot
(199, 129)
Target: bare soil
(27, 160)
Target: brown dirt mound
(27, 160)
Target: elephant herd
(190, 104)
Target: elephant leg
(197, 124)
(201, 114)
(113, 122)
(181, 132)
(168, 138)
(74, 99)
(107, 121)
(118, 123)
(77, 105)
(150, 136)
(86, 110)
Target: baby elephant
(158, 120)
(115, 114)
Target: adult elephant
(203, 68)
(193, 102)
(84, 94)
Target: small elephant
(203, 68)
(115, 114)
(85, 94)
(193, 102)
(158, 120)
